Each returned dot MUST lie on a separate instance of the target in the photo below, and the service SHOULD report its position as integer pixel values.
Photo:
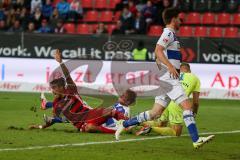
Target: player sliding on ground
(168, 55)
(67, 102)
(172, 115)
(120, 106)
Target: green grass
(16, 114)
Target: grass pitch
(19, 110)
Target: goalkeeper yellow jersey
(190, 83)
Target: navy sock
(142, 117)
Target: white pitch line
(109, 142)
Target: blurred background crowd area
(199, 17)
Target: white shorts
(177, 93)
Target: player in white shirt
(168, 56)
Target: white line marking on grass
(109, 142)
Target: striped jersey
(171, 44)
(71, 101)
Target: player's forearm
(195, 102)
(50, 123)
(47, 125)
(64, 70)
(195, 108)
(161, 56)
(40, 126)
(67, 74)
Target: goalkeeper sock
(190, 124)
(164, 131)
(142, 117)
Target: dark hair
(58, 82)
(131, 96)
(140, 45)
(168, 14)
(184, 64)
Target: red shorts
(95, 117)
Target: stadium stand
(203, 18)
(84, 29)
(223, 19)
(70, 28)
(231, 32)
(186, 31)
(193, 18)
(200, 31)
(216, 32)
(208, 18)
(155, 30)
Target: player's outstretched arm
(161, 57)
(40, 126)
(58, 58)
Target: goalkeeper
(171, 122)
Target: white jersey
(111, 122)
(171, 44)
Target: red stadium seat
(215, 32)
(100, 4)
(91, 16)
(86, 3)
(70, 28)
(110, 28)
(193, 18)
(200, 31)
(231, 32)
(106, 16)
(236, 19)
(93, 27)
(223, 19)
(117, 15)
(84, 29)
(155, 30)
(185, 31)
(113, 3)
(208, 18)
(182, 16)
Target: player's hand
(35, 127)
(58, 56)
(173, 72)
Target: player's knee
(186, 105)
(156, 113)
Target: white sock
(144, 116)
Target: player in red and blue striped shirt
(68, 102)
